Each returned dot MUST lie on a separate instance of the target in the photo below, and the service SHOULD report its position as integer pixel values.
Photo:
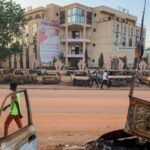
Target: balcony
(75, 40)
(74, 55)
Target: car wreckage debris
(118, 140)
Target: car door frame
(24, 135)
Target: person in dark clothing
(94, 79)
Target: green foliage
(146, 59)
(54, 60)
(11, 21)
(86, 58)
(101, 60)
(61, 57)
(125, 59)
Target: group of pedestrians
(95, 79)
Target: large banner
(49, 41)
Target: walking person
(105, 80)
(94, 79)
(14, 110)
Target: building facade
(85, 33)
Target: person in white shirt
(105, 79)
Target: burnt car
(22, 76)
(80, 78)
(136, 133)
(70, 70)
(119, 78)
(51, 77)
(5, 75)
(145, 77)
(19, 139)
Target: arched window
(123, 43)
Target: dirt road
(77, 116)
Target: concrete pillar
(84, 43)
(66, 45)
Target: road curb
(77, 88)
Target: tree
(11, 21)
(101, 61)
(54, 60)
(125, 59)
(86, 58)
(125, 62)
(61, 57)
(146, 59)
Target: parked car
(19, 139)
(51, 77)
(23, 76)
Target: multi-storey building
(82, 29)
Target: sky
(135, 8)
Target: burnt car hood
(138, 118)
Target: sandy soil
(74, 117)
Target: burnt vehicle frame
(80, 78)
(5, 75)
(23, 76)
(136, 133)
(51, 77)
(119, 78)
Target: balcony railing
(71, 39)
(75, 55)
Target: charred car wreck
(136, 133)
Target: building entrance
(73, 62)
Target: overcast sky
(135, 7)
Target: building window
(94, 44)
(75, 34)
(130, 42)
(57, 14)
(123, 34)
(76, 49)
(94, 15)
(75, 15)
(89, 18)
(109, 18)
(94, 30)
(62, 17)
(116, 33)
(123, 43)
